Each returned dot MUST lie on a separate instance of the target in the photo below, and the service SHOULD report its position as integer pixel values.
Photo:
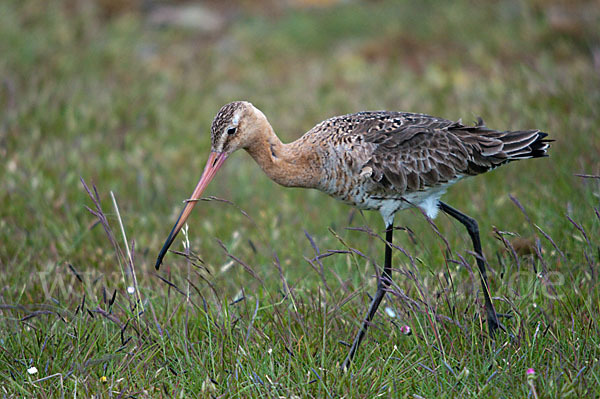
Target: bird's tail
(524, 144)
(513, 145)
(492, 148)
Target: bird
(374, 160)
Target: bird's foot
(494, 324)
(492, 320)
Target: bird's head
(235, 126)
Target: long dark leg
(382, 285)
(473, 229)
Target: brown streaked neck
(291, 165)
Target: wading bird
(385, 161)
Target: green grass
(127, 107)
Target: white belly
(391, 203)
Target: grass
(127, 107)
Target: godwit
(385, 161)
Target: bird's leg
(384, 282)
(473, 229)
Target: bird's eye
(231, 130)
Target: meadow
(105, 128)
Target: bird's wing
(414, 158)
(425, 151)
(412, 152)
(404, 150)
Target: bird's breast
(345, 176)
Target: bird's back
(381, 154)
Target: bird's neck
(291, 165)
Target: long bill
(215, 161)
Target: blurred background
(122, 94)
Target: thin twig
(587, 176)
(129, 257)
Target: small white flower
(32, 370)
(390, 312)
(130, 290)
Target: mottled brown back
(415, 156)
(412, 152)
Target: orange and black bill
(215, 161)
